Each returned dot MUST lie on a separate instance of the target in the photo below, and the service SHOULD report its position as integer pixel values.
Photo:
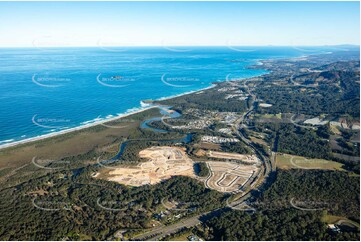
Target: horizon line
(165, 46)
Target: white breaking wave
(144, 105)
(6, 141)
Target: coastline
(77, 128)
(126, 114)
(100, 122)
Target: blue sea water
(48, 90)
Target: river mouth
(163, 110)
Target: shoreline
(77, 128)
(100, 122)
(139, 109)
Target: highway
(240, 124)
(302, 126)
(160, 232)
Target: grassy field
(182, 237)
(208, 146)
(335, 129)
(257, 140)
(332, 219)
(95, 139)
(278, 116)
(286, 161)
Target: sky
(63, 24)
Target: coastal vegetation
(201, 169)
(336, 94)
(314, 194)
(61, 206)
(287, 138)
(52, 189)
(211, 99)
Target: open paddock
(286, 161)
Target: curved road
(162, 231)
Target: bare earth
(265, 105)
(233, 156)
(164, 162)
(229, 176)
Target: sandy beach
(85, 126)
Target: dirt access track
(164, 162)
(229, 177)
(233, 156)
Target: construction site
(229, 177)
(163, 162)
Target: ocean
(47, 90)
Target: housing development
(180, 120)
(275, 149)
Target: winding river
(164, 111)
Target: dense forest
(295, 140)
(337, 94)
(210, 100)
(322, 192)
(63, 206)
(304, 142)
(201, 169)
(335, 191)
(67, 203)
(311, 143)
(285, 224)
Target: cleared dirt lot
(233, 156)
(164, 162)
(229, 177)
